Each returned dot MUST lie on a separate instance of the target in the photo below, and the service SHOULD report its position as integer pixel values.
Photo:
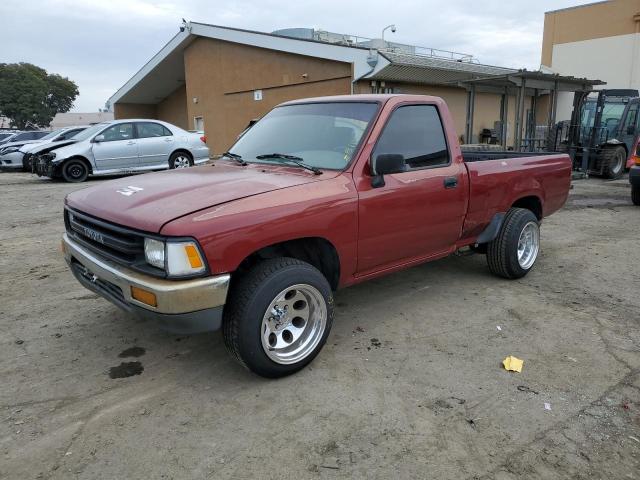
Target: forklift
(602, 131)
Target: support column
(533, 121)
(504, 117)
(519, 111)
(471, 103)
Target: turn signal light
(635, 156)
(194, 257)
(143, 296)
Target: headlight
(178, 258)
(154, 252)
(9, 150)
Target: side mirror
(385, 164)
(98, 138)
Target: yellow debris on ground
(513, 364)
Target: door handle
(450, 182)
(131, 142)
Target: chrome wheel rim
(528, 245)
(181, 162)
(293, 324)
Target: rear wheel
(75, 171)
(635, 194)
(180, 160)
(278, 317)
(614, 160)
(515, 250)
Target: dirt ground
(409, 385)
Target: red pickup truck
(319, 194)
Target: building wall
(173, 109)
(71, 119)
(598, 41)
(222, 78)
(133, 110)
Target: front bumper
(12, 160)
(182, 306)
(634, 176)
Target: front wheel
(614, 160)
(278, 317)
(75, 171)
(515, 250)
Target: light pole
(392, 27)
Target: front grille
(119, 244)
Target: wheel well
(532, 203)
(314, 250)
(180, 150)
(77, 157)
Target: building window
(198, 124)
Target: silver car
(123, 146)
(16, 155)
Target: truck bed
(497, 179)
(481, 155)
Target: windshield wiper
(291, 158)
(236, 157)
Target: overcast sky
(101, 44)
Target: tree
(31, 96)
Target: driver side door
(418, 213)
(118, 150)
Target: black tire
(252, 295)
(26, 162)
(177, 159)
(614, 160)
(635, 194)
(502, 252)
(75, 171)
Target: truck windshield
(324, 135)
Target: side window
(70, 133)
(416, 132)
(630, 121)
(151, 129)
(120, 131)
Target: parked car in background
(18, 140)
(19, 157)
(123, 146)
(319, 194)
(26, 137)
(6, 136)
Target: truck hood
(147, 202)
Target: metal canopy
(531, 81)
(521, 84)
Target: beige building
(71, 119)
(598, 40)
(217, 79)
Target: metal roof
(434, 71)
(532, 80)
